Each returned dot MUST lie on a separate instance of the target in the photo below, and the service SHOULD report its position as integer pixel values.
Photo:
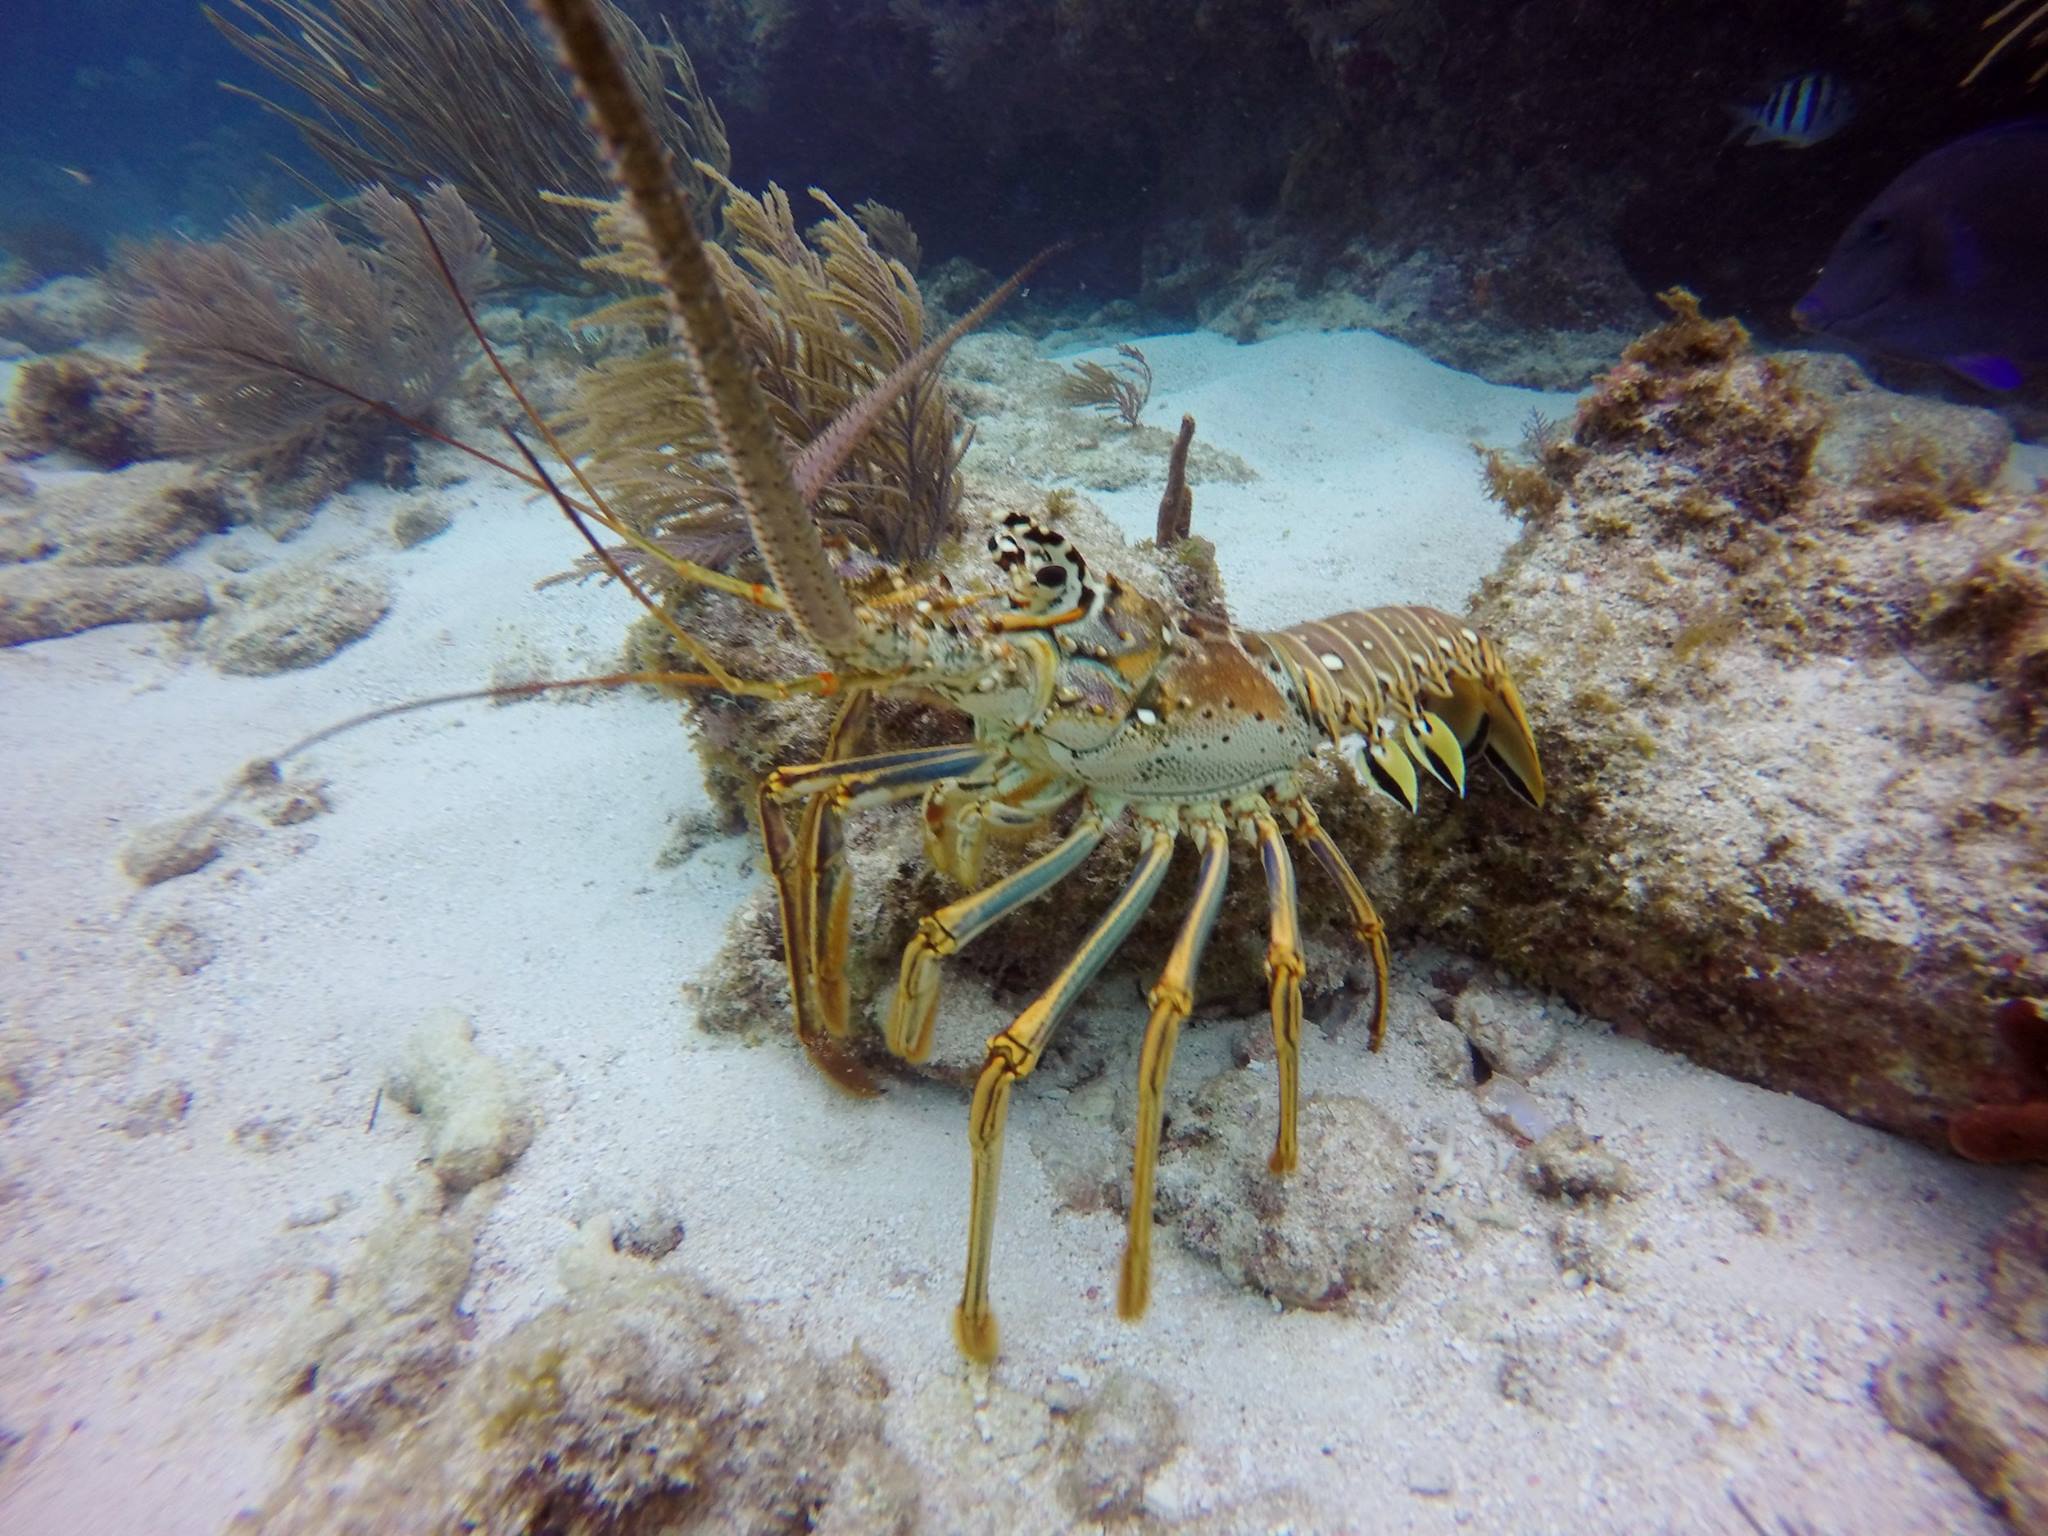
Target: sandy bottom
(503, 861)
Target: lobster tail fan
(1510, 743)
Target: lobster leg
(852, 785)
(909, 1027)
(1172, 999)
(1284, 970)
(1372, 933)
(1011, 1055)
(828, 905)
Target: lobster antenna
(688, 570)
(699, 652)
(782, 526)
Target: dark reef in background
(1549, 161)
(1499, 182)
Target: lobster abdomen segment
(1402, 687)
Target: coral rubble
(645, 1402)
(1981, 1399)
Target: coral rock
(1337, 1226)
(476, 1124)
(1513, 1038)
(40, 602)
(1983, 1405)
(296, 616)
(62, 313)
(84, 404)
(418, 521)
(139, 516)
(168, 849)
(1569, 1165)
(1792, 731)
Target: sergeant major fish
(1799, 113)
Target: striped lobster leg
(811, 886)
(1012, 1054)
(1172, 999)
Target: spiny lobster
(1084, 693)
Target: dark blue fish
(1799, 112)
(1950, 263)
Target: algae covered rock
(45, 600)
(82, 403)
(1123, 1434)
(1788, 688)
(83, 552)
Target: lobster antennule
(822, 459)
(782, 526)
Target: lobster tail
(1401, 688)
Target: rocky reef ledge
(1786, 650)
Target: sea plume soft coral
(246, 335)
(2034, 22)
(824, 317)
(416, 91)
(1121, 390)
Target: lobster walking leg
(1284, 970)
(829, 904)
(1012, 1054)
(909, 1028)
(1172, 999)
(1372, 933)
(852, 785)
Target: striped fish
(1799, 113)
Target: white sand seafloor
(503, 861)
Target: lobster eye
(1052, 575)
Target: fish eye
(1052, 575)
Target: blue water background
(127, 92)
